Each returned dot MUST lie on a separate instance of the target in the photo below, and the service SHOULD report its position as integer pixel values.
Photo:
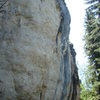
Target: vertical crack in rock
(64, 29)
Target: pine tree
(92, 45)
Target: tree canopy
(92, 46)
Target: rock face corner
(37, 61)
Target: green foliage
(84, 93)
(92, 48)
(88, 94)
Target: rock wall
(37, 62)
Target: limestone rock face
(37, 62)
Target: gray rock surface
(37, 62)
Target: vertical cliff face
(37, 62)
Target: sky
(77, 12)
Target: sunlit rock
(37, 62)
